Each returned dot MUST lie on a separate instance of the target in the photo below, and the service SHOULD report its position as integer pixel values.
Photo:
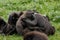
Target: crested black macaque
(43, 23)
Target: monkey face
(13, 18)
(29, 14)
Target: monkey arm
(19, 27)
(31, 22)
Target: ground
(45, 7)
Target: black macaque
(43, 23)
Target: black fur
(35, 35)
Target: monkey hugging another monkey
(32, 21)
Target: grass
(45, 7)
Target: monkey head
(13, 17)
(29, 14)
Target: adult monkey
(21, 24)
(44, 24)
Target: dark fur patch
(35, 35)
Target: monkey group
(30, 24)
